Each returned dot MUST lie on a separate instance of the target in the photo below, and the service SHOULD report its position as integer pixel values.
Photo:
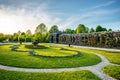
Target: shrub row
(98, 39)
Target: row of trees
(81, 28)
(42, 35)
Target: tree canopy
(80, 29)
(54, 29)
(69, 31)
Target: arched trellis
(97, 39)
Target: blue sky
(27, 14)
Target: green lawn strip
(24, 59)
(69, 75)
(113, 71)
(112, 56)
(55, 52)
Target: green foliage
(28, 36)
(8, 37)
(15, 37)
(69, 31)
(38, 47)
(41, 28)
(46, 37)
(100, 29)
(113, 71)
(54, 29)
(68, 75)
(92, 30)
(1, 37)
(40, 31)
(23, 59)
(81, 29)
(109, 29)
(86, 29)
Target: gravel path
(96, 69)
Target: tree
(46, 37)
(15, 37)
(99, 28)
(54, 29)
(92, 30)
(28, 36)
(39, 32)
(1, 37)
(80, 29)
(23, 36)
(69, 31)
(86, 29)
(41, 28)
(19, 35)
(109, 29)
(8, 37)
(104, 29)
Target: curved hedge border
(15, 48)
(78, 53)
(31, 52)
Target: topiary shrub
(35, 43)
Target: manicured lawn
(112, 56)
(23, 59)
(113, 71)
(71, 75)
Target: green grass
(113, 71)
(71, 75)
(23, 59)
(112, 56)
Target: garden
(55, 56)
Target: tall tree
(54, 29)
(19, 35)
(28, 33)
(1, 37)
(41, 29)
(28, 36)
(23, 36)
(15, 37)
(80, 29)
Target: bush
(37, 47)
(35, 43)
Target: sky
(27, 14)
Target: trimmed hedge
(98, 39)
(35, 47)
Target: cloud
(29, 15)
(99, 6)
(23, 18)
(92, 19)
